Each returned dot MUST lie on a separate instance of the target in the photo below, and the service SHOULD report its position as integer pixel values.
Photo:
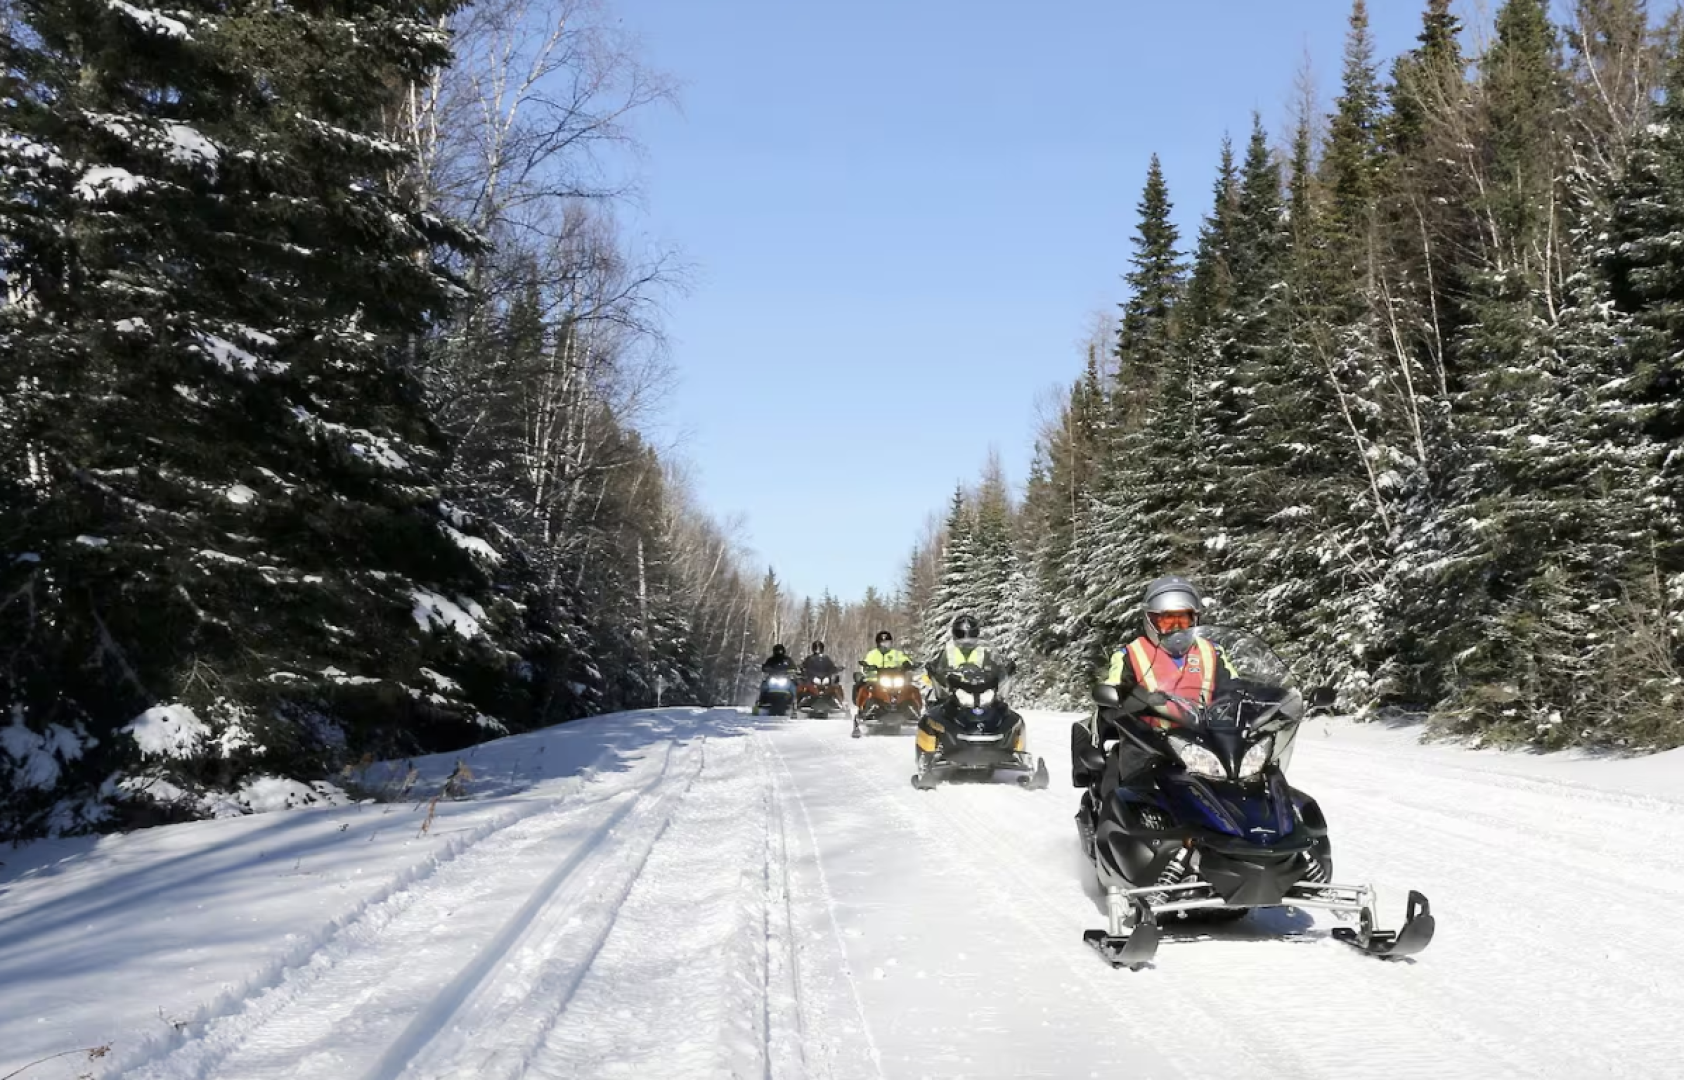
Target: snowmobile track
(911, 811)
(556, 947)
(395, 950)
(713, 966)
(716, 895)
(831, 1013)
(199, 1037)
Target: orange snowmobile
(821, 695)
(887, 700)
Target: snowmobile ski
(1415, 935)
(1133, 951)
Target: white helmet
(1172, 604)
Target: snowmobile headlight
(975, 701)
(1199, 761)
(895, 682)
(1257, 759)
(777, 682)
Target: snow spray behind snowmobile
(821, 696)
(777, 695)
(972, 731)
(890, 703)
(1209, 825)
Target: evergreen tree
(1155, 283)
(1352, 160)
(1523, 99)
(961, 580)
(215, 456)
(1643, 261)
(1210, 285)
(1424, 81)
(995, 551)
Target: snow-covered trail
(700, 893)
(1556, 951)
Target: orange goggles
(1170, 622)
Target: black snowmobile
(972, 731)
(777, 695)
(1206, 825)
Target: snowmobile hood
(1260, 814)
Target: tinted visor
(1168, 622)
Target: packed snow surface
(692, 893)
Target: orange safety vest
(1194, 678)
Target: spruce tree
(1424, 81)
(1352, 159)
(219, 478)
(1155, 282)
(961, 577)
(1523, 98)
(1642, 259)
(1210, 284)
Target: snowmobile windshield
(1249, 657)
(975, 679)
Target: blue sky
(903, 216)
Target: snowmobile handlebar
(1282, 705)
(1139, 698)
(975, 680)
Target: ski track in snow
(769, 898)
(653, 933)
(237, 1009)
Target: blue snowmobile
(1190, 816)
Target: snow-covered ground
(689, 893)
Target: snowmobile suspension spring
(1173, 871)
(1314, 870)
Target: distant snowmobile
(777, 695)
(821, 696)
(1214, 829)
(972, 731)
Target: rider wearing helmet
(965, 648)
(1162, 659)
(884, 655)
(818, 664)
(780, 662)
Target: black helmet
(966, 631)
(1173, 604)
(778, 652)
(818, 647)
(884, 638)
